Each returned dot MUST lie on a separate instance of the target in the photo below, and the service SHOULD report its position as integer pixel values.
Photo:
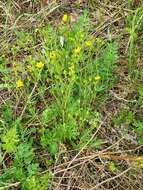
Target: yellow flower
(40, 65)
(88, 43)
(97, 78)
(52, 54)
(65, 18)
(19, 83)
(77, 50)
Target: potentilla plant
(78, 67)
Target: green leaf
(140, 91)
(9, 140)
(96, 143)
(50, 113)
(141, 140)
(112, 167)
(24, 155)
(53, 148)
(6, 113)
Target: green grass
(135, 23)
(54, 79)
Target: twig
(89, 157)
(16, 106)
(33, 90)
(120, 98)
(108, 155)
(111, 178)
(122, 157)
(10, 185)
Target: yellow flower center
(52, 54)
(19, 83)
(65, 18)
(88, 43)
(97, 78)
(40, 65)
(77, 50)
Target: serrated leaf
(9, 140)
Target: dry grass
(88, 169)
